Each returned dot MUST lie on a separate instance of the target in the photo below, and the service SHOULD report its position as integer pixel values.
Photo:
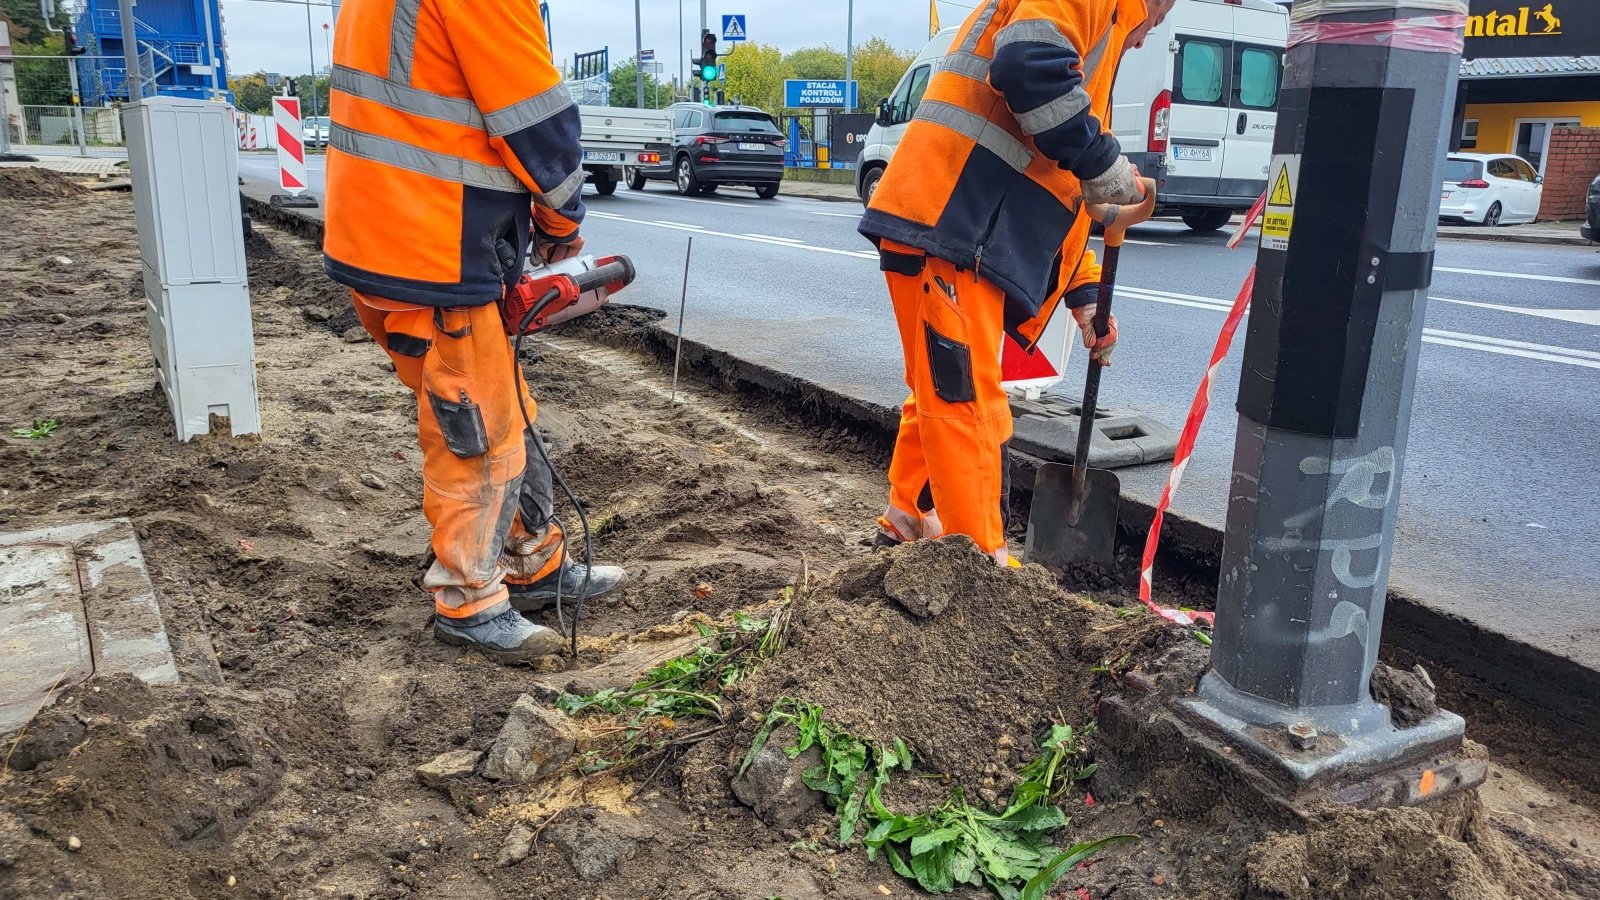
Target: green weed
(42, 428)
(686, 688)
(1010, 852)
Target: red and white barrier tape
(1432, 34)
(1191, 431)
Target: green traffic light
(708, 73)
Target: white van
(1195, 108)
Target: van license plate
(611, 156)
(1198, 154)
(753, 148)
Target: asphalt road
(1498, 507)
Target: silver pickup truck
(615, 138)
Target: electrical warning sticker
(1278, 220)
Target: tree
(878, 68)
(27, 22)
(816, 63)
(756, 73)
(625, 84)
(251, 93)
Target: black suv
(717, 145)
(1591, 225)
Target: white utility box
(183, 157)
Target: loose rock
(593, 851)
(772, 786)
(1409, 695)
(923, 576)
(316, 313)
(534, 742)
(448, 766)
(372, 481)
(355, 334)
(518, 844)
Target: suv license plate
(611, 156)
(1198, 154)
(754, 148)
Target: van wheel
(635, 176)
(869, 184)
(605, 183)
(1207, 219)
(766, 191)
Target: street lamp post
(849, 54)
(327, 44)
(638, 56)
(311, 53)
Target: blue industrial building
(176, 38)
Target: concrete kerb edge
(1557, 690)
(1491, 236)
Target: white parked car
(1490, 189)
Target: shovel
(1075, 508)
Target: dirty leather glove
(1118, 184)
(1099, 347)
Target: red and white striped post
(291, 145)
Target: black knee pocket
(462, 426)
(951, 365)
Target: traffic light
(73, 47)
(708, 57)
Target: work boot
(540, 595)
(508, 638)
(885, 540)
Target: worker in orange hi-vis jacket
(984, 234)
(454, 146)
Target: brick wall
(1574, 161)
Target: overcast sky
(272, 35)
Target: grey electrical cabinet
(183, 157)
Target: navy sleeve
(1038, 72)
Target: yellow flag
(933, 18)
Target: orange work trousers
(949, 472)
(486, 488)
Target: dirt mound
(932, 643)
(27, 183)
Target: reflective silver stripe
(988, 135)
(406, 99)
(563, 193)
(1092, 61)
(529, 112)
(403, 40)
(415, 159)
(1041, 31)
(1056, 112)
(969, 64)
(979, 26)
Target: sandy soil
(283, 766)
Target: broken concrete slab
(448, 766)
(772, 785)
(75, 601)
(534, 742)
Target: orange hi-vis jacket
(987, 174)
(452, 131)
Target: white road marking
(660, 196)
(1132, 241)
(1439, 337)
(769, 241)
(838, 215)
(1559, 278)
(1580, 316)
(773, 237)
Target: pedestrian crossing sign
(733, 28)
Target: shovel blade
(1056, 542)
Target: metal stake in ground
(683, 304)
(1325, 398)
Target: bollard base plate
(1158, 725)
(286, 201)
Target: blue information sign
(800, 94)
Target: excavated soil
(283, 765)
